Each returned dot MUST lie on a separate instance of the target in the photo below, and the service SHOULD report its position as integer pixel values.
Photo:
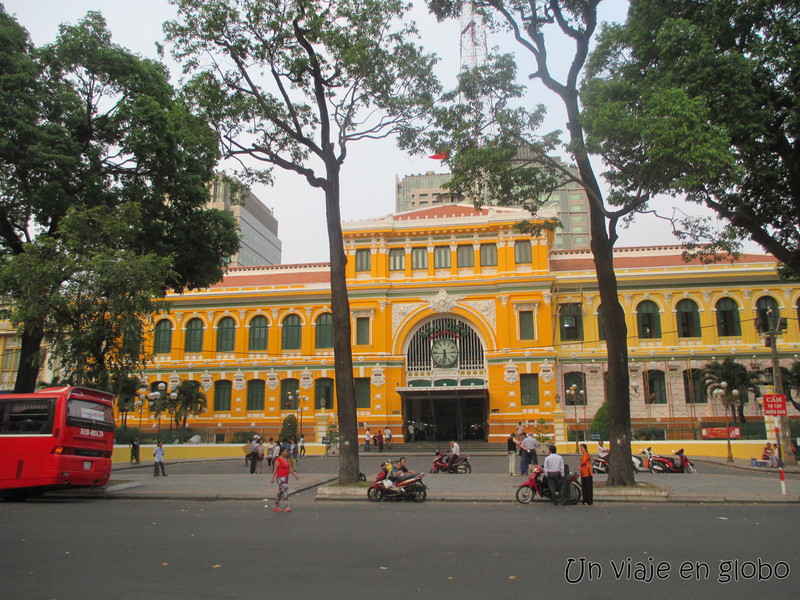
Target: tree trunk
(342, 343)
(30, 356)
(620, 466)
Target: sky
(370, 171)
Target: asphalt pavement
(735, 483)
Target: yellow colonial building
(463, 327)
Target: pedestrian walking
(587, 476)
(387, 438)
(260, 453)
(529, 445)
(302, 443)
(523, 455)
(253, 454)
(379, 438)
(158, 455)
(293, 452)
(520, 429)
(367, 438)
(281, 470)
(513, 450)
(270, 453)
(411, 432)
(135, 447)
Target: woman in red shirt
(587, 481)
(281, 469)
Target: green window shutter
(441, 257)
(362, 331)
(256, 389)
(529, 389)
(226, 335)
(292, 329)
(397, 259)
(571, 322)
(522, 252)
(194, 336)
(526, 328)
(363, 260)
(222, 396)
(362, 392)
(324, 331)
(163, 341)
(259, 328)
(419, 259)
(465, 256)
(488, 255)
(323, 394)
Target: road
(98, 549)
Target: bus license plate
(87, 465)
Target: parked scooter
(536, 484)
(441, 462)
(393, 485)
(678, 463)
(600, 463)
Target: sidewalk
(734, 487)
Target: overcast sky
(369, 172)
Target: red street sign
(775, 405)
(721, 433)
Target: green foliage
(288, 428)
(725, 377)
(600, 422)
(649, 433)
(104, 198)
(699, 99)
(190, 400)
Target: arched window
(767, 313)
(226, 335)
(194, 335)
(694, 386)
(255, 394)
(292, 329)
(323, 394)
(289, 391)
(688, 319)
(728, 324)
(259, 328)
(571, 322)
(577, 395)
(655, 387)
(163, 337)
(324, 331)
(222, 396)
(648, 320)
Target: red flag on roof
(441, 156)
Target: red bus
(55, 438)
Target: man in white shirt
(554, 469)
(455, 450)
(529, 446)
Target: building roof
(641, 257)
(275, 276)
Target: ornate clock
(444, 353)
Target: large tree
(291, 84)
(102, 199)
(508, 161)
(702, 99)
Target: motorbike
(393, 485)
(537, 485)
(600, 463)
(442, 463)
(678, 463)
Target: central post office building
(463, 327)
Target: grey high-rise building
(257, 224)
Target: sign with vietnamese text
(721, 433)
(775, 405)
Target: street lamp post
(573, 394)
(139, 406)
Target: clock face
(444, 353)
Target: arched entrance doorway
(446, 395)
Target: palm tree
(126, 391)
(190, 400)
(791, 383)
(730, 376)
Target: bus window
(33, 417)
(82, 413)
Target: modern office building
(257, 224)
(464, 327)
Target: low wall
(122, 454)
